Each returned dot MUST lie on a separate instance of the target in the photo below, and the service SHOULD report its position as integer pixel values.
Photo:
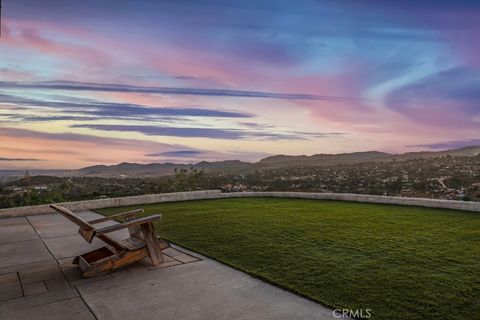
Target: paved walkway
(38, 281)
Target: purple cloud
(106, 87)
(75, 137)
(212, 133)
(449, 97)
(177, 154)
(18, 159)
(183, 132)
(449, 144)
(119, 110)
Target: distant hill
(463, 152)
(324, 159)
(126, 169)
(358, 157)
(129, 170)
(278, 161)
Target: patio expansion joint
(51, 302)
(41, 238)
(74, 287)
(85, 303)
(21, 284)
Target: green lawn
(400, 262)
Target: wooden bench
(143, 241)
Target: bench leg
(153, 245)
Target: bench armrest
(127, 214)
(129, 223)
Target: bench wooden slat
(87, 231)
(133, 243)
(142, 242)
(129, 223)
(72, 217)
(118, 215)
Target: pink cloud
(97, 50)
(71, 151)
(347, 104)
(19, 35)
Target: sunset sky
(109, 81)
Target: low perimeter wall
(421, 202)
(112, 202)
(216, 194)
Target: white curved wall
(216, 194)
(421, 202)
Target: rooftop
(397, 257)
(38, 281)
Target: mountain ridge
(155, 169)
(236, 166)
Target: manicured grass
(400, 262)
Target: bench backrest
(87, 231)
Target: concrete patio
(38, 281)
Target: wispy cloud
(449, 98)
(117, 110)
(48, 137)
(448, 144)
(79, 150)
(75, 150)
(15, 117)
(212, 133)
(177, 154)
(106, 87)
(18, 159)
